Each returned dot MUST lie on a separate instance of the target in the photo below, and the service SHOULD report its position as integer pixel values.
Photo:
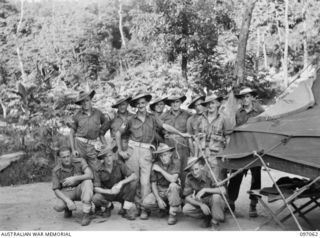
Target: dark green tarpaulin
(290, 144)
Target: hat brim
(164, 150)
(193, 162)
(253, 93)
(169, 101)
(91, 95)
(219, 99)
(191, 105)
(127, 99)
(134, 101)
(104, 152)
(153, 104)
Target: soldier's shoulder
(78, 160)
(56, 168)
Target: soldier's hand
(201, 193)
(71, 206)
(156, 168)
(205, 209)
(70, 181)
(115, 189)
(124, 154)
(161, 204)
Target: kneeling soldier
(114, 181)
(203, 199)
(72, 181)
(164, 184)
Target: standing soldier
(157, 107)
(87, 126)
(122, 117)
(72, 181)
(193, 121)
(142, 127)
(177, 118)
(250, 108)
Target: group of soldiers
(158, 160)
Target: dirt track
(29, 207)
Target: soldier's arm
(172, 178)
(173, 130)
(155, 190)
(105, 126)
(102, 190)
(193, 201)
(74, 180)
(71, 138)
(63, 197)
(129, 179)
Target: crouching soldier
(114, 181)
(72, 181)
(203, 199)
(164, 184)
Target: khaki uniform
(181, 144)
(214, 201)
(169, 192)
(81, 192)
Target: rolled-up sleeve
(105, 124)
(73, 122)
(55, 181)
(96, 180)
(158, 122)
(187, 188)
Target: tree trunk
(285, 56)
(265, 52)
(257, 53)
(305, 37)
(120, 25)
(4, 109)
(24, 76)
(239, 71)
(184, 51)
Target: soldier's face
(247, 99)
(65, 157)
(166, 157)
(122, 108)
(175, 105)
(86, 104)
(196, 170)
(124, 144)
(108, 159)
(141, 105)
(213, 106)
(159, 107)
(199, 108)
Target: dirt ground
(29, 207)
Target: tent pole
(277, 187)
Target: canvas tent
(287, 134)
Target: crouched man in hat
(114, 181)
(72, 181)
(164, 184)
(202, 197)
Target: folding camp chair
(313, 202)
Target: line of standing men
(130, 175)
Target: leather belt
(87, 141)
(139, 144)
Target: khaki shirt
(60, 173)
(193, 185)
(119, 121)
(242, 116)
(177, 121)
(157, 177)
(105, 179)
(143, 132)
(90, 127)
